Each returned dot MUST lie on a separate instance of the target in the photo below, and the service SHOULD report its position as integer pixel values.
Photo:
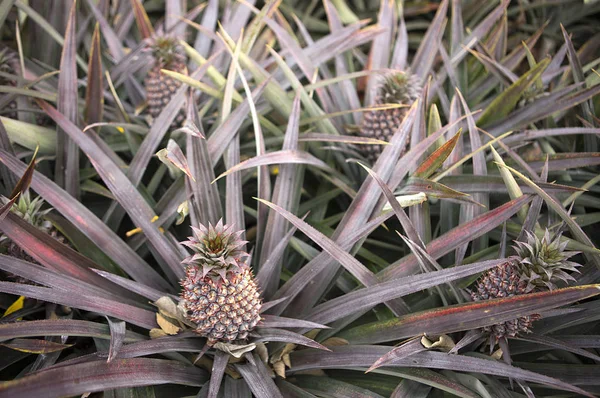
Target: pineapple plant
(397, 88)
(341, 280)
(219, 292)
(544, 262)
(167, 54)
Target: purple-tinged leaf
(423, 60)
(286, 336)
(480, 31)
(273, 321)
(90, 225)
(25, 181)
(345, 139)
(367, 298)
(133, 286)
(332, 388)
(117, 337)
(286, 194)
(379, 55)
(123, 189)
(57, 257)
(206, 195)
(76, 283)
(218, 370)
(411, 347)
(8, 178)
(35, 346)
(409, 228)
(209, 22)
(258, 379)
(527, 135)
(141, 19)
(352, 356)
(559, 344)
(137, 316)
(400, 56)
(67, 151)
(278, 157)
(467, 316)
(94, 94)
(60, 327)
(99, 376)
(457, 236)
(574, 373)
(563, 161)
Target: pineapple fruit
(501, 282)
(167, 54)
(397, 88)
(219, 293)
(544, 262)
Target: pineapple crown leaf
(400, 88)
(166, 50)
(544, 261)
(217, 250)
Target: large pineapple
(219, 292)
(544, 262)
(397, 88)
(500, 282)
(168, 54)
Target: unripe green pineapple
(397, 88)
(7, 60)
(500, 282)
(219, 293)
(544, 262)
(168, 54)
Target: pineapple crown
(31, 211)
(543, 262)
(166, 50)
(400, 88)
(218, 251)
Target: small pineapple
(7, 65)
(219, 293)
(397, 88)
(544, 262)
(168, 54)
(31, 211)
(500, 282)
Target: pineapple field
(280, 198)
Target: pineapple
(31, 211)
(7, 65)
(544, 262)
(219, 293)
(500, 282)
(397, 88)
(168, 54)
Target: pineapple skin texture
(225, 310)
(500, 282)
(160, 88)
